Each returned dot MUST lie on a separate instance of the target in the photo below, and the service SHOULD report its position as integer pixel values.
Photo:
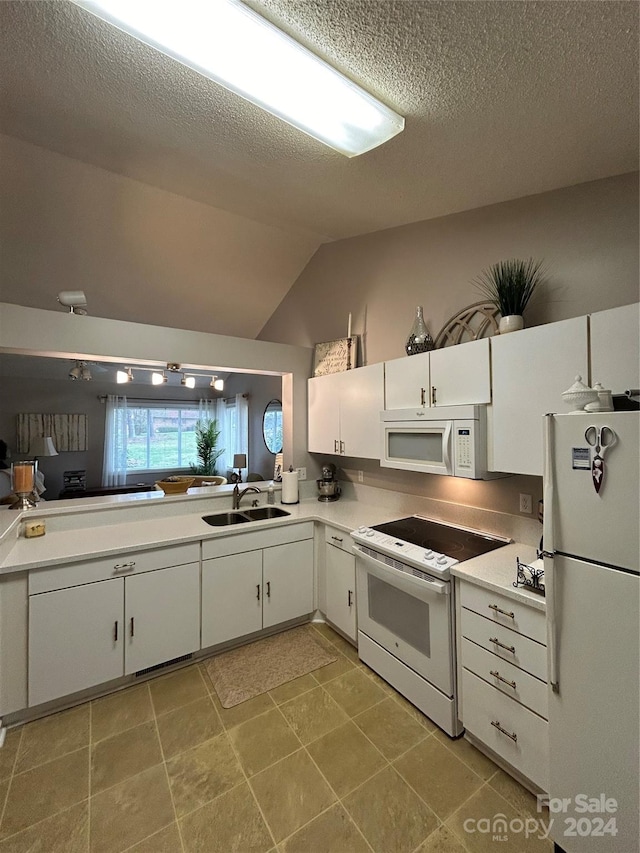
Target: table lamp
(240, 462)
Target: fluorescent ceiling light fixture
(232, 45)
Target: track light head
(74, 300)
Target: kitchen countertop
(98, 529)
(496, 571)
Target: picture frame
(335, 356)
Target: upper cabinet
(344, 412)
(453, 376)
(531, 369)
(615, 350)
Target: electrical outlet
(302, 475)
(525, 504)
(361, 476)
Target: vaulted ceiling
(501, 99)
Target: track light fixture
(123, 376)
(80, 371)
(217, 384)
(74, 300)
(158, 378)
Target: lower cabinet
(93, 633)
(245, 592)
(340, 568)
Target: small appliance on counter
(328, 484)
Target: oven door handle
(401, 579)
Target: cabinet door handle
(258, 591)
(496, 674)
(268, 589)
(495, 640)
(342, 451)
(337, 539)
(349, 598)
(115, 631)
(433, 395)
(124, 567)
(512, 735)
(496, 609)
(335, 446)
(423, 392)
(132, 628)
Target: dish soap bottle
(271, 495)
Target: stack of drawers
(504, 679)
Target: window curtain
(241, 433)
(114, 467)
(233, 422)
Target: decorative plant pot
(510, 323)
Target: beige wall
(586, 234)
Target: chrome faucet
(238, 495)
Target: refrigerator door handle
(548, 553)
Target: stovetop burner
(455, 542)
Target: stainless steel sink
(223, 519)
(261, 512)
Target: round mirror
(272, 426)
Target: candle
(349, 329)
(23, 477)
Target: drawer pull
(496, 609)
(496, 674)
(337, 539)
(124, 567)
(495, 640)
(512, 735)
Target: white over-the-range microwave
(448, 440)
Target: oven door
(417, 446)
(410, 617)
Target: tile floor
(333, 761)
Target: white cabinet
(344, 412)
(452, 376)
(615, 351)
(86, 633)
(162, 616)
(531, 369)
(340, 585)
(503, 659)
(244, 591)
(75, 639)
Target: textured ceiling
(502, 99)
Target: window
(160, 436)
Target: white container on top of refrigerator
(592, 579)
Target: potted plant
(207, 435)
(510, 285)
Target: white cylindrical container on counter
(289, 487)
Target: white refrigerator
(592, 565)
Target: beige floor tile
(354, 692)
(263, 741)
(187, 726)
(198, 776)
(113, 714)
(313, 714)
(487, 804)
(389, 814)
(244, 711)
(346, 758)
(121, 756)
(45, 790)
(441, 841)
(331, 832)
(417, 715)
(291, 793)
(230, 824)
(66, 831)
(293, 688)
(53, 736)
(9, 751)
(165, 841)
(332, 670)
(522, 800)
(467, 752)
(326, 631)
(440, 778)
(391, 728)
(177, 689)
(129, 812)
(4, 790)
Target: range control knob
(370, 533)
(441, 560)
(361, 529)
(428, 555)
